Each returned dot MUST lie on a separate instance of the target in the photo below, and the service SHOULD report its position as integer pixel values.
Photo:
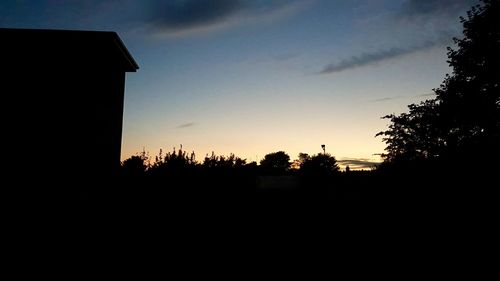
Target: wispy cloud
(431, 23)
(385, 99)
(358, 163)
(176, 17)
(372, 58)
(161, 18)
(426, 95)
(189, 17)
(365, 59)
(186, 125)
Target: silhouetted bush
(135, 166)
(319, 164)
(275, 163)
(222, 162)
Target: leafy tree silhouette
(303, 157)
(470, 97)
(413, 135)
(320, 164)
(276, 162)
(231, 161)
(135, 165)
(176, 160)
(463, 121)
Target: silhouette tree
(173, 163)
(470, 97)
(320, 164)
(231, 161)
(414, 135)
(303, 157)
(135, 165)
(276, 162)
(464, 118)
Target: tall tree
(470, 97)
(464, 118)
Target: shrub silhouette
(232, 161)
(135, 165)
(275, 163)
(319, 164)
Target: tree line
(275, 163)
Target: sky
(251, 77)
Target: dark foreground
(263, 199)
(355, 212)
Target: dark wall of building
(61, 113)
(97, 115)
(63, 125)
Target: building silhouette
(63, 94)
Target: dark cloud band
(178, 15)
(366, 59)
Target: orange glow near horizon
(344, 157)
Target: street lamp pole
(324, 151)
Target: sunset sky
(253, 77)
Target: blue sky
(253, 77)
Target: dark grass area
(183, 221)
(205, 207)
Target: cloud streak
(367, 59)
(188, 14)
(179, 18)
(372, 58)
(186, 125)
(426, 95)
(433, 22)
(358, 163)
(385, 99)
